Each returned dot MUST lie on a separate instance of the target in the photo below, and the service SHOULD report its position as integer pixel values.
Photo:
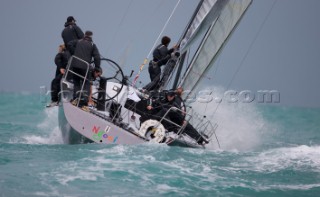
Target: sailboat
(119, 104)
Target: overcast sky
(276, 51)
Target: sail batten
(218, 22)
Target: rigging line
(249, 49)
(164, 27)
(145, 61)
(214, 73)
(205, 109)
(121, 21)
(251, 44)
(146, 21)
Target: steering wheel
(111, 73)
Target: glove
(175, 55)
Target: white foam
(299, 158)
(49, 129)
(289, 187)
(54, 137)
(118, 150)
(240, 125)
(164, 188)
(76, 174)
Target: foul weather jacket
(61, 61)
(71, 32)
(161, 54)
(84, 49)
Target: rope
(249, 49)
(146, 59)
(120, 25)
(165, 25)
(146, 21)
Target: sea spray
(240, 125)
(299, 158)
(49, 127)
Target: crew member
(97, 72)
(85, 50)
(71, 31)
(161, 55)
(170, 101)
(61, 61)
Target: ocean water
(265, 151)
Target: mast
(187, 29)
(183, 56)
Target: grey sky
(284, 56)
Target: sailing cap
(70, 19)
(88, 33)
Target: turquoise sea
(265, 151)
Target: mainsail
(213, 23)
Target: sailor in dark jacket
(71, 31)
(167, 101)
(176, 116)
(61, 61)
(85, 50)
(161, 55)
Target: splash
(49, 129)
(299, 158)
(240, 125)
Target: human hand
(184, 123)
(62, 71)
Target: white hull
(116, 117)
(80, 126)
